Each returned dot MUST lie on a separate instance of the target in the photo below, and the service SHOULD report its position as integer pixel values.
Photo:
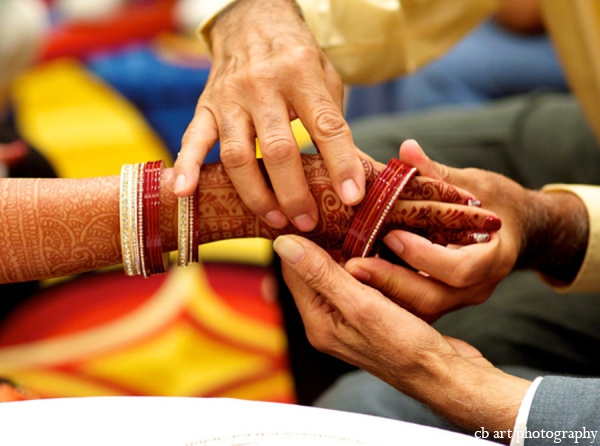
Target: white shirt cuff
(518, 434)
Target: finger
(282, 160)
(332, 80)
(323, 275)
(412, 154)
(461, 267)
(425, 297)
(423, 188)
(238, 155)
(312, 307)
(430, 215)
(319, 111)
(312, 277)
(447, 237)
(199, 138)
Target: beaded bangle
(141, 246)
(188, 235)
(370, 218)
(127, 211)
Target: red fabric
(135, 22)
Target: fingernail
(360, 274)
(414, 141)
(472, 202)
(491, 224)
(350, 192)
(394, 244)
(289, 249)
(304, 222)
(276, 218)
(179, 183)
(479, 237)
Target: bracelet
(373, 211)
(127, 211)
(188, 229)
(156, 260)
(139, 212)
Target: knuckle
(319, 276)
(191, 134)
(278, 150)
(443, 172)
(304, 54)
(234, 154)
(329, 123)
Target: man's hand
(443, 279)
(358, 324)
(268, 69)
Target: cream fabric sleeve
(370, 41)
(588, 278)
(574, 27)
(209, 10)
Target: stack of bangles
(369, 221)
(141, 245)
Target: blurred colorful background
(120, 86)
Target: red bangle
(370, 218)
(154, 259)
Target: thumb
(412, 154)
(316, 269)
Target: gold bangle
(183, 231)
(126, 213)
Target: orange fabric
(197, 331)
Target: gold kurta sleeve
(370, 41)
(574, 26)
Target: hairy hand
(360, 325)
(267, 70)
(444, 278)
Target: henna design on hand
(420, 188)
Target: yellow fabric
(81, 125)
(588, 279)
(183, 341)
(374, 40)
(574, 26)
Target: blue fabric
(165, 93)
(489, 63)
(562, 409)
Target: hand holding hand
(442, 278)
(360, 325)
(268, 69)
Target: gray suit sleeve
(567, 409)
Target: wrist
(474, 395)
(555, 235)
(241, 18)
